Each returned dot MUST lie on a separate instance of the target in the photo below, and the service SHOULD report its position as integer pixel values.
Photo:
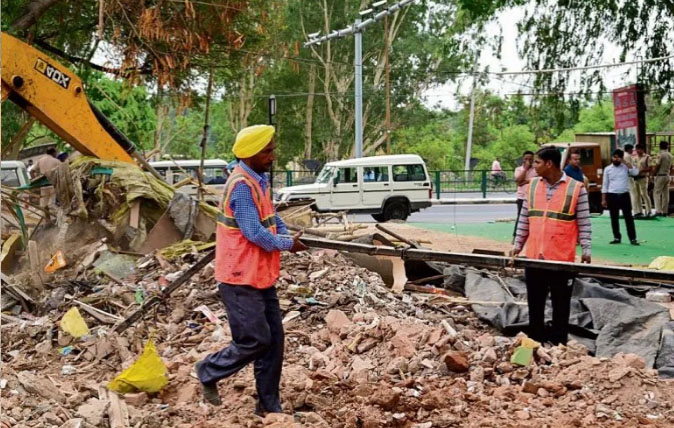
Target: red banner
(629, 112)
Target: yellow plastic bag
(57, 262)
(73, 323)
(147, 374)
(662, 263)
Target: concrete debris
(93, 411)
(357, 355)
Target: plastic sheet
(662, 263)
(73, 323)
(605, 318)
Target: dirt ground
(357, 356)
(442, 241)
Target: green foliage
(659, 115)
(129, 108)
(436, 40)
(430, 141)
(12, 120)
(596, 118)
(508, 147)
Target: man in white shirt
(616, 197)
(46, 165)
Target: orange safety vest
(237, 260)
(553, 229)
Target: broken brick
(456, 361)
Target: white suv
(388, 187)
(14, 174)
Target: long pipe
(479, 260)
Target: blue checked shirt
(242, 204)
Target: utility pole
(388, 89)
(357, 30)
(272, 122)
(358, 64)
(205, 135)
(469, 143)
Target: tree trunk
(34, 10)
(11, 151)
(162, 115)
(310, 112)
(239, 119)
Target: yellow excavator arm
(55, 96)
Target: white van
(388, 187)
(14, 174)
(215, 176)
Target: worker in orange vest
(554, 218)
(247, 264)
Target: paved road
(457, 214)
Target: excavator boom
(55, 96)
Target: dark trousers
(520, 202)
(621, 202)
(257, 335)
(540, 282)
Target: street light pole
(272, 116)
(358, 65)
(388, 89)
(469, 142)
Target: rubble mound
(357, 355)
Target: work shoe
(615, 241)
(262, 412)
(634, 242)
(638, 215)
(209, 390)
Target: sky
(444, 96)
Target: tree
(557, 34)
(128, 107)
(161, 40)
(511, 142)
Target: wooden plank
(9, 249)
(430, 290)
(429, 278)
(16, 291)
(397, 236)
(134, 215)
(491, 261)
(100, 315)
(118, 412)
(6, 318)
(38, 276)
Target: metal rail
(486, 261)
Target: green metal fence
(464, 181)
(289, 178)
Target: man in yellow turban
(247, 264)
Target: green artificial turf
(656, 237)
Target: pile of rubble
(357, 355)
